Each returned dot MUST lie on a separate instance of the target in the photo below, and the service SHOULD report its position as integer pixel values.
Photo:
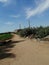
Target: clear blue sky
(15, 12)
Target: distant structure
(29, 23)
(18, 29)
(19, 26)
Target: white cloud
(38, 2)
(8, 2)
(9, 23)
(5, 2)
(15, 16)
(38, 10)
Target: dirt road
(26, 52)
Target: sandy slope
(28, 52)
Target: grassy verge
(5, 36)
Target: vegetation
(5, 36)
(39, 32)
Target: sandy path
(28, 52)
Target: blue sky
(15, 12)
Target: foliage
(38, 32)
(25, 32)
(5, 36)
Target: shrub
(5, 36)
(38, 32)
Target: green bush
(38, 32)
(25, 32)
(5, 36)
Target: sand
(27, 52)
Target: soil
(24, 51)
